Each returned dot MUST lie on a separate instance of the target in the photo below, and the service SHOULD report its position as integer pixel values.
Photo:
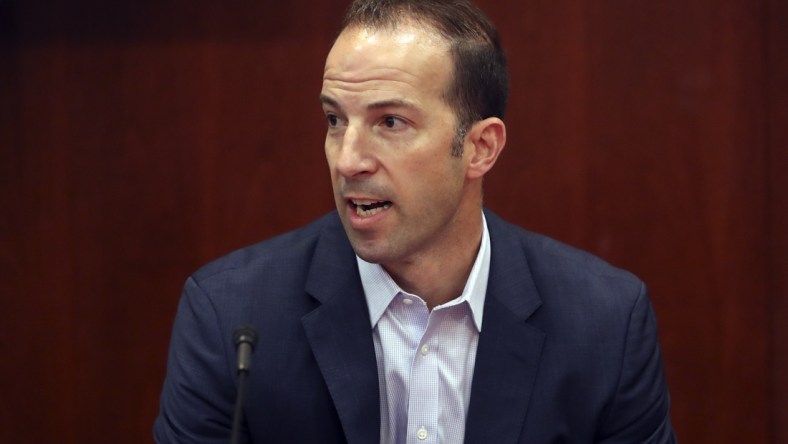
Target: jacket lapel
(340, 335)
(509, 349)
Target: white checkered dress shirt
(425, 359)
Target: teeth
(370, 208)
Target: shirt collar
(380, 289)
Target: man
(410, 314)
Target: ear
(485, 142)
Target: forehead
(410, 58)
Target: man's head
(406, 185)
(479, 87)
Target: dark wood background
(139, 140)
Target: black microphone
(245, 338)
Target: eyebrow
(325, 100)
(392, 103)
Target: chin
(369, 255)
(371, 251)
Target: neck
(440, 276)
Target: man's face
(399, 192)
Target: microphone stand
(245, 338)
(239, 401)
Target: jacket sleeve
(197, 400)
(640, 412)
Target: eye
(393, 122)
(334, 121)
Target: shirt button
(425, 349)
(422, 433)
(407, 301)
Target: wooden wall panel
(777, 125)
(141, 139)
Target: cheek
(328, 148)
(430, 177)
(331, 157)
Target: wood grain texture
(139, 140)
(777, 124)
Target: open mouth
(368, 208)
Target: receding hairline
(407, 15)
(429, 29)
(431, 32)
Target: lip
(367, 222)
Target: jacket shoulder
(568, 284)
(286, 252)
(549, 258)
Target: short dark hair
(480, 85)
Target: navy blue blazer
(568, 352)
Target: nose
(351, 154)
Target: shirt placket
(423, 409)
